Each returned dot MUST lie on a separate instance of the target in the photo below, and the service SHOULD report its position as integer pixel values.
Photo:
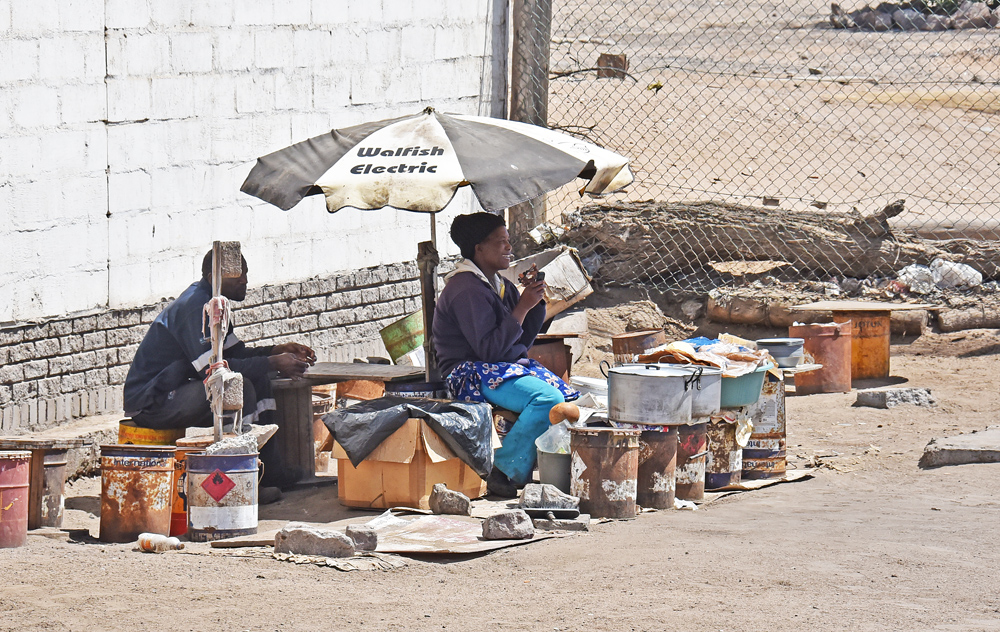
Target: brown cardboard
(566, 280)
(402, 471)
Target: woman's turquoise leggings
(532, 398)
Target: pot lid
(651, 370)
(780, 341)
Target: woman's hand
(531, 295)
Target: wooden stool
(129, 433)
(47, 477)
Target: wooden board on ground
(858, 306)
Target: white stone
(60, 57)
(81, 15)
(398, 11)
(126, 14)
(36, 106)
(215, 13)
(452, 42)
(5, 11)
(191, 52)
(82, 103)
(417, 44)
(311, 48)
(293, 91)
(292, 11)
(365, 13)
(255, 94)
(94, 58)
(172, 97)
(253, 12)
(18, 60)
(404, 85)
(215, 98)
(128, 192)
(129, 99)
(329, 12)
(273, 49)
(35, 17)
(171, 14)
(234, 49)
(307, 540)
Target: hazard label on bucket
(218, 485)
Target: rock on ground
(446, 501)
(305, 540)
(975, 447)
(891, 397)
(365, 538)
(545, 496)
(508, 525)
(580, 523)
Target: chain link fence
(762, 132)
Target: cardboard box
(567, 281)
(402, 471)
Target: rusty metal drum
(764, 454)
(869, 342)
(221, 496)
(15, 468)
(135, 491)
(724, 461)
(657, 464)
(829, 345)
(692, 450)
(52, 496)
(628, 345)
(604, 467)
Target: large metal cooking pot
(653, 394)
(707, 389)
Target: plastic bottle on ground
(158, 543)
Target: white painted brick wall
(194, 92)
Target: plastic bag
(950, 274)
(918, 278)
(555, 440)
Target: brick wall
(72, 367)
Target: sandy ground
(870, 543)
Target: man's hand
(300, 351)
(288, 364)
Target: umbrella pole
(427, 261)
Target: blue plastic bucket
(743, 390)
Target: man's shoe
(497, 484)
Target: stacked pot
(671, 404)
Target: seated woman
(482, 330)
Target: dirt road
(870, 543)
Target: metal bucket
(131, 434)
(691, 456)
(764, 453)
(404, 335)
(657, 464)
(135, 491)
(15, 468)
(603, 472)
(829, 345)
(724, 461)
(221, 495)
(553, 468)
(178, 505)
(417, 390)
(52, 499)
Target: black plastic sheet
(465, 427)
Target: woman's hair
(469, 230)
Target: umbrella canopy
(416, 163)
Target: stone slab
(892, 397)
(975, 447)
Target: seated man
(164, 387)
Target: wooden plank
(342, 371)
(14, 443)
(858, 306)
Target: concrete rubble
(975, 447)
(365, 538)
(508, 525)
(445, 501)
(547, 496)
(580, 523)
(892, 397)
(303, 539)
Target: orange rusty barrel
(136, 491)
(657, 462)
(869, 342)
(131, 434)
(692, 452)
(178, 506)
(604, 466)
(830, 345)
(764, 454)
(15, 468)
(724, 461)
(625, 346)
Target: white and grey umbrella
(416, 163)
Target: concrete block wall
(126, 130)
(71, 367)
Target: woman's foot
(497, 484)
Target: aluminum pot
(653, 394)
(707, 389)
